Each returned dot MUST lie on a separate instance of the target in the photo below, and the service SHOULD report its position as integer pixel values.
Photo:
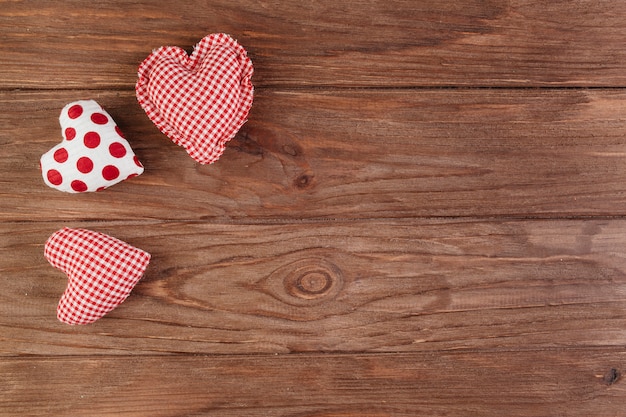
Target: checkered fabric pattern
(102, 272)
(200, 101)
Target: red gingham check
(200, 101)
(102, 272)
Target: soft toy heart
(102, 272)
(200, 101)
(93, 154)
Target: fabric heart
(200, 101)
(93, 154)
(102, 272)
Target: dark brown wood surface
(565, 382)
(395, 43)
(364, 286)
(347, 154)
(424, 215)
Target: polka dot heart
(200, 101)
(93, 154)
(101, 269)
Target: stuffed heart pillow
(200, 101)
(102, 272)
(93, 154)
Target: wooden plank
(332, 287)
(349, 154)
(516, 384)
(74, 44)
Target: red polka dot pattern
(200, 101)
(119, 132)
(60, 155)
(54, 177)
(117, 150)
(79, 186)
(75, 111)
(110, 172)
(92, 140)
(70, 133)
(99, 119)
(100, 158)
(84, 165)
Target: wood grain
(541, 383)
(424, 215)
(357, 154)
(74, 44)
(333, 287)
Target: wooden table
(424, 215)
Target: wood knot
(312, 284)
(312, 279)
(612, 376)
(245, 143)
(303, 181)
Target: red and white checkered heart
(200, 101)
(93, 154)
(102, 271)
